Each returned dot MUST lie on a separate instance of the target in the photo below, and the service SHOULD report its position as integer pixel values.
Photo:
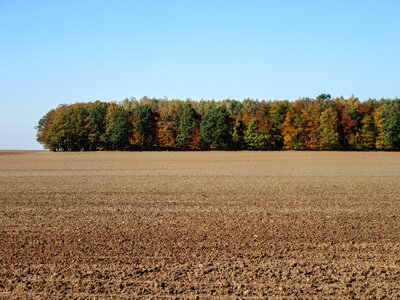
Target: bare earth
(199, 225)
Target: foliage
(143, 126)
(186, 127)
(118, 128)
(216, 128)
(96, 124)
(391, 124)
(329, 124)
(255, 138)
(322, 123)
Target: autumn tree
(367, 134)
(68, 130)
(380, 143)
(238, 134)
(255, 138)
(167, 124)
(329, 124)
(160, 124)
(44, 127)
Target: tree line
(320, 123)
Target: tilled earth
(194, 225)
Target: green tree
(145, 126)
(118, 128)
(96, 121)
(324, 97)
(216, 128)
(186, 125)
(78, 127)
(278, 114)
(391, 124)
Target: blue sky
(54, 52)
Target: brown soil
(200, 225)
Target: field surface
(214, 225)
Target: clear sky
(54, 52)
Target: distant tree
(167, 124)
(96, 122)
(144, 127)
(58, 133)
(277, 115)
(391, 124)
(118, 128)
(68, 131)
(44, 129)
(301, 128)
(234, 108)
(216, 128)
(380, 143)
(324, 97)
(255, 138)
(329, 124)
(238, 134)
(151, 124)
(290, 133)
(367, 134)
(186, 126)
(351, 117)
(249, 110)
(79, 129)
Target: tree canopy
(323, 123)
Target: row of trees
(322, 123)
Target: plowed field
(187, 225)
